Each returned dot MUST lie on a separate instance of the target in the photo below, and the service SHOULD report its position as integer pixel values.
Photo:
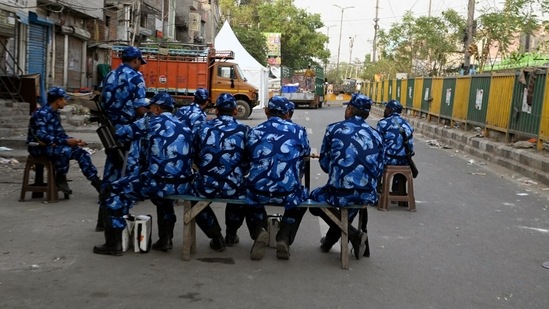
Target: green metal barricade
(448, 95)
(528, 95)
(478, 100)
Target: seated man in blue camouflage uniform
(46, 131)
(277, 148)
(390, 128)
(169, 171)
(222, 162)
(193, 114)
(352, 155)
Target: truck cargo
(180, 71)
(304, 87)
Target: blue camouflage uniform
(192, 115)
(222, 163)
(45, 128)
(123, 93)
(277, 148)
(352, 155)
(390, 129)
(169, 167)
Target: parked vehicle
(304, 88)
(180, 71)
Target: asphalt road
(478, 240)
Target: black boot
(96, 183)
(100, 226)
(62, 185)
(113, 243)
(283, 241)
(165, 233)
(261, 240)
(358, 241)
(218, 243)
(328, 241)
(231, 239)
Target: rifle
(106, 132)
(409, 153)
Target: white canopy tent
(255, 73)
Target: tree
(301, 44)
(421, 46)
(500, 28)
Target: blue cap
(133, 52)
(361, 102)
(279, 104)
(394, 105)
(291, 106)
(201, 95)
(225, 101)
(162, 98)
(58, 92)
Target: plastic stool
(49, 187)
(387, 196)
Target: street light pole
(340, 32)
(327, 44)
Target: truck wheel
(243, 109)
(320, 104)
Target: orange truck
(180, 71)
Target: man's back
(393, 141)
(123, 93)
(191, 115)
(277, 148)
(221, 157)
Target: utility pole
(376, 27)
(429, 14)
(327, 42)
(351, 41)
(470, 24)
(340, 31)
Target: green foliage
(420, 46)
(301, 44)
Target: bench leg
(189, 227)
(343, 224)
(187, 237)
(344, 238)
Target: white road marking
(534, 229)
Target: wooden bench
(190, 213)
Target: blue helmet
(279, 104)
(395, 106)
(201, 95)
(361, 102)
(57, 92)
(225, 101)
(133, 52)
(162, 98)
